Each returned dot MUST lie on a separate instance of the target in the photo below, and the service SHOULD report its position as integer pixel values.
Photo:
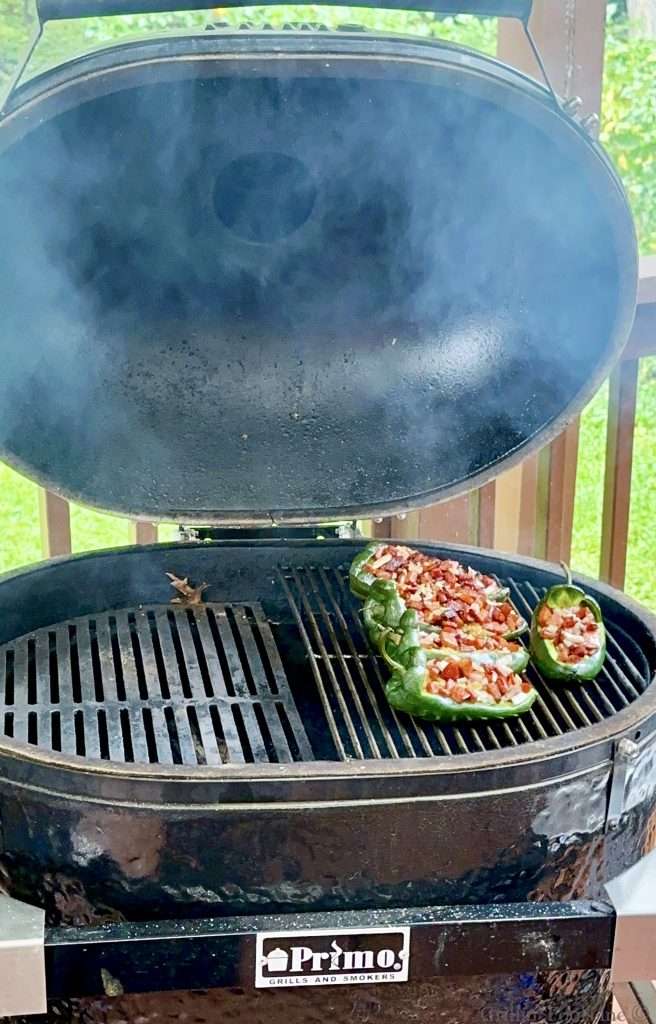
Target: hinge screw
(590, 124)
(628, 749)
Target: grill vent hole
(218, 732)
(169, 718)
(221, 654)
(75, 665)
(200, 653)
(80, 745)
(103, 735)
(9, 678)
(264, 655)
(118, 664)
(151, 742)
(138, 657)
(95, 662)
(266, 735)
(9, 724)
(242, 733)
(199, 749)
(179, 655)
(159, 660)
(53, 669)
(241, 651)
(126, 734)
(56, 730)
(288, 731)
(31, 674)
(32, 735)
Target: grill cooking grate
(221, 683)
(201, 685)
(362, 724)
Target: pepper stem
(568, 572)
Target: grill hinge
(624, 755)
(22, 959)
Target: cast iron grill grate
(202, 685)
(224, 683)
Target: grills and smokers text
(371, 956)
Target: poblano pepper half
(567, 622)
(384, 607)
(361, 579)
(407, 689)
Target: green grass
(20, 538)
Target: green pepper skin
(543, 652)
(361, 581)
(382, 611)
(406, 692)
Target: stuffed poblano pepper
(443, 592)
(385, 618)
(415, 571)
(481, 686)
(568, 637)
(384, 607)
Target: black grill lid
(293, 277)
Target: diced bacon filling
(444, 592)
(466, 682)
(574, 632)
(467, 641)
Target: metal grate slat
(229, 747)
(21, 697)
(243, 710)
(66, 694)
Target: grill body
(319, 827)
(97, 841)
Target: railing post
(143, 533)
(55, 524)
(622, 399)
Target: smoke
(294, 290)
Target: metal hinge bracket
(625, 754)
